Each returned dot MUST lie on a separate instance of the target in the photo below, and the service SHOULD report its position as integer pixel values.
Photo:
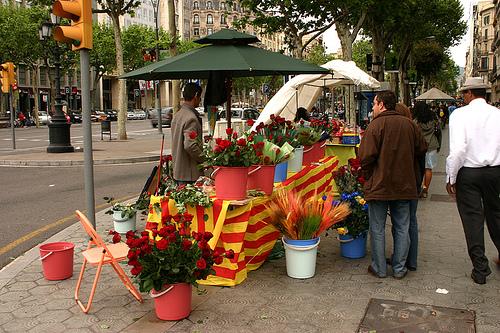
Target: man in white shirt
(473, 172)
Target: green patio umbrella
(228, 55)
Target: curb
(28, 163)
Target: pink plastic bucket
(174, 302)
(57, 260)
(231, 182)
(261, 177)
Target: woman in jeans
(427, 120)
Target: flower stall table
(343, 152)
(242, 226)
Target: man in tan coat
(388, 154)
(187, 150)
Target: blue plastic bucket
(280, 172)
(353, 248)
(301, 257)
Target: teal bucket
(300, 257)
(280, 173)
(353, 248)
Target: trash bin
(105, 128)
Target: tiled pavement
(268, 301)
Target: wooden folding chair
(100, 254)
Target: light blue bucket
(301, 257)
(280, 173)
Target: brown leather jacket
(388, 151)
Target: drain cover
(399, 317)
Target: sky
(457, 52)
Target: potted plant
(230, 158)
(169, 261)
(302, 221)
(124, 215)
(353, 230)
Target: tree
(103, 55)
(299, 20)
(114, 9)
(317, 55)
(359, 51)
(446, 78)
(172, 29)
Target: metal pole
(12, 118)
(88, 166)
(156, 6)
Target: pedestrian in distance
(187, 150)
(473, 172)
(388, 153)
(428, 122)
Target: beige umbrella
(434, 94)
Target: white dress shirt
(474, 138)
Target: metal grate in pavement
(394, 317)
(442, 198)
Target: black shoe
(372, 272)
(479, 279)
(411, 268)
(399, 276)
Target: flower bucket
(57, 260)
(123, 224)
(261, 177)
(295, 163)
(230, 182)
(300, 257)
(319, 150)
(308, 156)
(173, 303)
(353, 248)
(280, 173)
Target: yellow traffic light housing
(80, 31)
(12, 73)
(5, 78)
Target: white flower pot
(123, 224)
(295, 163)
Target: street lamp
(59, 129)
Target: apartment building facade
(495, 47)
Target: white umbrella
(304, 90)
(434, 94)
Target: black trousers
(478, 198)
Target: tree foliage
(360, 49)
(317, 55)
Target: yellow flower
(362, 201)
(342, 231)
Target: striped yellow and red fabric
(245, 229)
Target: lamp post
(59, 129)
(156, 5)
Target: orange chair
(99, 254)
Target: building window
(222, 6)
(43, 77)
(210, 19)
(196, 31)
(223, 19)
(486, 20)
(22, 76)
(235, 8)
(485, 34)
(210, 31)
(196, 5)
(484, 63)
(196, 19)
(209, 5)
(235, 18)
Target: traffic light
(80, 31)
(12, 74)
(5, 78)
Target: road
(35, 197)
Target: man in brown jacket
(388, 152)
(187, 151)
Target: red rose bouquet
(172, 255)
(233, 151)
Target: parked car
(97, 115)
(43, 117)
(140, 115)
(76, 117)
(111, 115)
(166, 116)
(240, 113)
(131, 115)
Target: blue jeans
(411, 260)
(400, 215)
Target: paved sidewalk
(334, 300)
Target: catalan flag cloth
(245, 228)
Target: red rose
(241, 142)
(172, 237)
(193, 135)
(218, 149)
(201, 263)
(229, 131)
(250, 122)
(206, 253)
(162, 244)
(229, 254)
(197, 236)
(116, 238)
(131, 255)
(169, 157)
(130, 234)
(218, 260)
(146, 249)
(218, 141)
(202, 244)
(136, 270)
(186, 244)
(207, 236)
(187, 217)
